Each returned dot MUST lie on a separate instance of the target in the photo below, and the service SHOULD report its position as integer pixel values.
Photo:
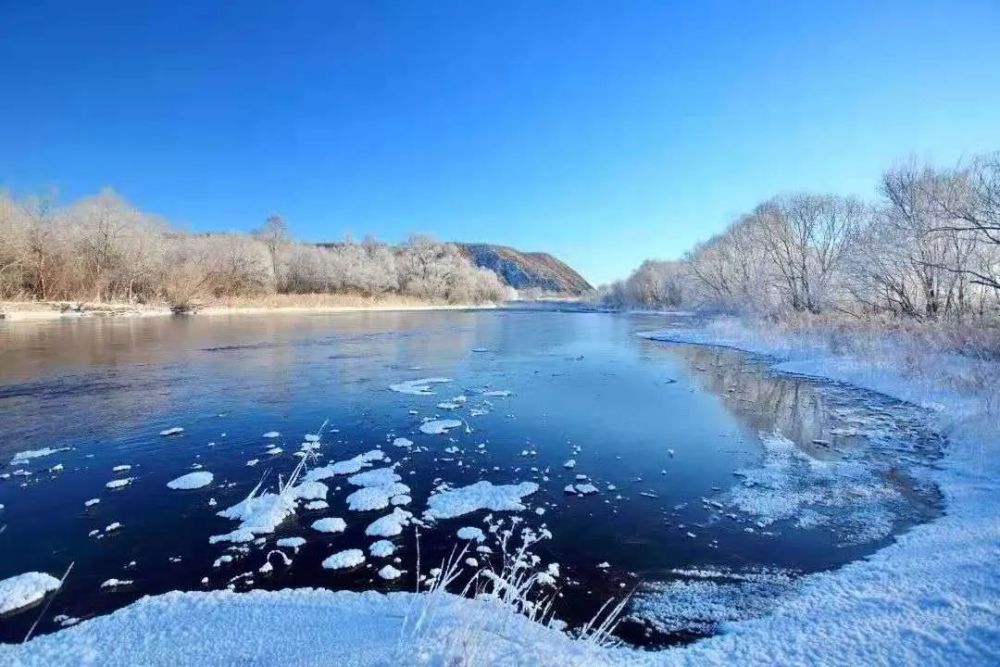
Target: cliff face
(527, 270)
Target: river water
(720, 483)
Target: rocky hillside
(527, 270)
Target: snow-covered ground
(930, 598)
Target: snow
(330, 525)
(439, 426)
(24, 457)
(24, 590)
(481, 495)
(420, 387)
(192, 480)
(344, 559)
(176, 430)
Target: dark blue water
(584, 387)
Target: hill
(527, 270)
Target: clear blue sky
(603, 132)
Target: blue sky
(603, 132)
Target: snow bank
(928, 598)
(221, 628)
(24, 590)
(192, 480)
(478, 496)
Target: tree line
(927, 248)
(101, 248)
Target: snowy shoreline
(37, 312)
(929, 598)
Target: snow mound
(192, 480)
(24, 590)
(478, 496)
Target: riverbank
(39, 311)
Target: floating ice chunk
(111, 527)
(570, 464)
(402, 442)
(192, 480)
(119, 483)
(382, 549)
(311, 437)
(481, 495)
(271, 434)
(23, 457)
(344, 559)
(348, 467)
(401, 499)
(91, 502)
(116, 583)
(56, 468)
(472, 562)
(317, 505)
(253, 462)
(389, 573)
(501, 393)
(274, 451)
(377, 477)
(586, 489)
(176, 430)
(605, 565)
(330, 525)
(24, 590)
(291, 542)
(449, 405)
(121, 468)
(570, 489)
(420, 387)
(471, 533)
(389, 525)
(439, 426)
(309, 490)
(370, 498)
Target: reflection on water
(675, 437)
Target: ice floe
(389, 525)
(330, 525)
(119, 483)
(192, 480)
(25, 590)
(344, 559)
(382, 549)
(471, 533)
(26, 456)
(439, 426)
(481, 495)
(421, 387)
(348, 467)
(389, 573)
(175, 430)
